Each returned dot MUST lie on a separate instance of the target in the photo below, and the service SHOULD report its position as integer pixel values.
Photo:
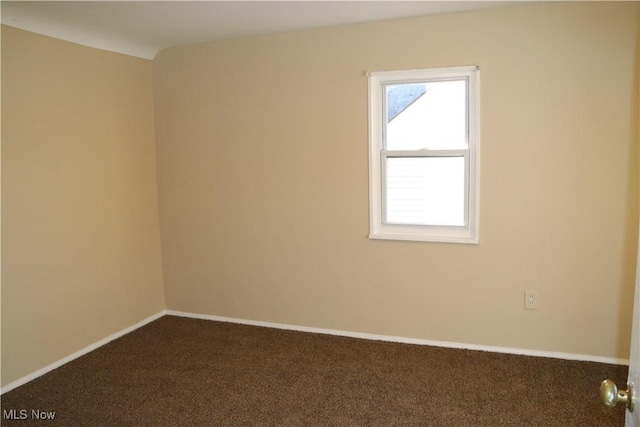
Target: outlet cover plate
(530, 300)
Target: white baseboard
(447, 344)
(88, 349)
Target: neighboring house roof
(400, 97)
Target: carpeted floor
(187, 372)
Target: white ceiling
(142, 28)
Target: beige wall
(262, 157)
(80, 239)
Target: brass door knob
(610, 395)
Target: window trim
(468, 233)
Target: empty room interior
(226, 186)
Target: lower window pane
(425, 191)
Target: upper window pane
(426, 115)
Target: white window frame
(468, 233)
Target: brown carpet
(187, 372)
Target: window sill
(461, 236)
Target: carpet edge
(42, 371)
(406, 340)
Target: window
(424, 154)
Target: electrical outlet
(530, 300)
